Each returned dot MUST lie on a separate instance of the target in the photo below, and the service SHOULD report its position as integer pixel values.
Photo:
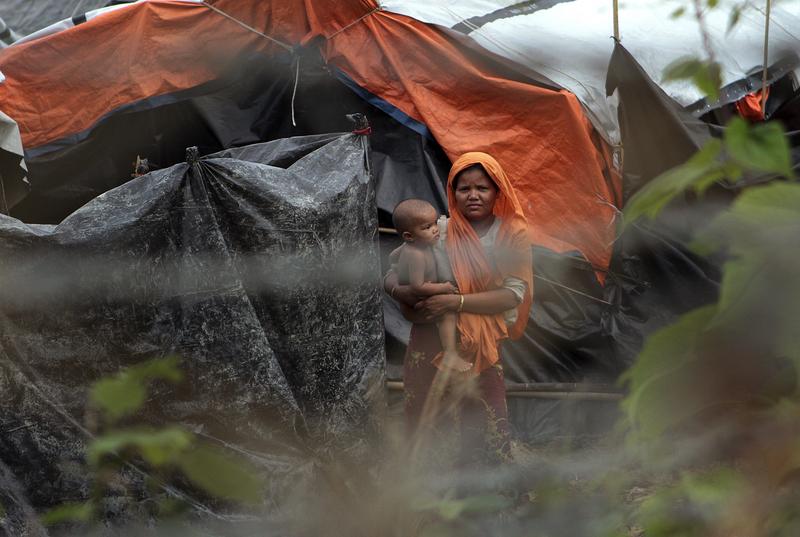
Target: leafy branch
(163, 450)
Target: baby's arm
(415, 260)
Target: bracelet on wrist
(460, 304)
(391, 293)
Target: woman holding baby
(485, 250)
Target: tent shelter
(523, 81)
(161, 49)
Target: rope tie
(294, 90)
(248, 27)
(361, 18)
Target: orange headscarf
(481, 334)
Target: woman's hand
(437, 305)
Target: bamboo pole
(616, 20)
(547, 390)
(766, 64)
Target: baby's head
(415, 221)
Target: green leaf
(157, 447)
(711, 491)
(738, 278)
(124, 393)
(221, 475)
(736, 15)
(159, 368)
(759, 214)
(761, 233)
(449, 508)
(699, 172)
(119, 396)
(706, 75)
(712, 3)
(708, 80)
(762, 147)
(693, 507)
(652, 405)
(678, 13)
(68, 512)
(485, 503)
(682, 69)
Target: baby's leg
(447, 334)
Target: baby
(416, 222)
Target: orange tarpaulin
(538, 136)
(64, 83)
(749, 106)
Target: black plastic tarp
(657, 133)
(264, 280)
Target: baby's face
(426, 229)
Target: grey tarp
(264, 280)
(13, 183)
(27, 16)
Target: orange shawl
(481, 334)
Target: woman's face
(475, 194)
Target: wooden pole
(548, 390)
(3, 201)
(766, 64)
(616, 20)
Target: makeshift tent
(163, 48)
(148, 79)
(264, 280)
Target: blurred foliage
(752, 149)
(714, 395)
(449, 508)
(125, 393)
(706, 75)
(159, 451)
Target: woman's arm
(483, 303)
